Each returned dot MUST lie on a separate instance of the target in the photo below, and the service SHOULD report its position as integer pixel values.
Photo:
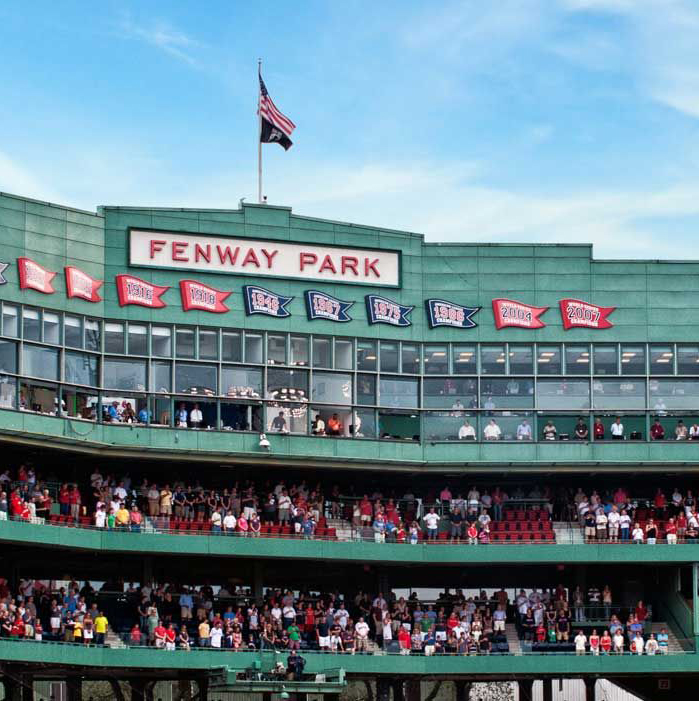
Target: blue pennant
(320, 305)
(258, 300)
(385, 311)
(443, 313)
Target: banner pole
(259, 135)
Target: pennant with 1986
(443, 313)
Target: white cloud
(162, 36)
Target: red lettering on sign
(269, 256)
(250, 257)
(204, 253)
(224, 253)
(371, 265)
(349, 263)
(307, 259)
(327, 264)
(178, 249)
(155, 246)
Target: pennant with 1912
(385, 311)
(443, 313)
(258, 300)
(324, 306)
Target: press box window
(92, 335)
(73, 331)
(321, 353)
(52, 328)
(208, 344)
(253, 348)
(10, 327)
(31, 329)
(161, 341)
(114, 338)
(662, 360)
(138, 339)
(232, 347)
(184, 343)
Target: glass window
(241, 383)
(511, 426)
(332, 388)
(515, 392)
(548, 360)
(521, 359)
(436, 360)
(92, 335)
(40, 362)
(450, 393)
(366, 389)
(184, 343)
(52, 328)
(344, 354)
(577, 360)
(10, 327)
(398, 392)
(208, 344)
(661, 360)
(8, 356)
(563, 394)
(299, 350)
(673, 394)
(232, 346)
(688, 360)
(253, 347)
(138, 339)
(399, 425)
(113, 338)
(322, 357)
(410, 353)
(389, 356)
(276, 349)
(161, 376)
(619, 394)
(606, 361)
(366, 355)
(363, 423)
(287, 385)
(195, 379)
(8, 392)
(72, 330)
(124, 373)
(633, 360)
(81, 368)
(161, 341)
(31, 330)
(448, 425)
(465, 359)
(492, 360)
(39, 397)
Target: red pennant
(196, 295)
(576, 313)
(35, 277)
(507, 312)
(133, 290)
(80, 284)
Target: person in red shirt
(472, 534)
(671, 532)
(598, 430)
(64, 500)
(605, 642)
(75, 501)
(16, 505)
(17, 628)
(404, 641)
(365, 511)
(310, 619)
(657, 432)
(400, 533)
(641, 612)
(594, 641)
(170, 636)
(452, 621)
(541, 633)
(159, 634)
(135, 636)
(681, 525)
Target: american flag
(269, 111)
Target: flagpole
(259, 135)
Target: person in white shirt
(624, 525)
(601, 525)
(101, 517)
(651, 645)
(694, 432)
(229, 523)
(613, 520)
(618, 642)
(580, 643)
(637, 645)
(617, 429)
(524, 431)
(342, 614)
(638, 535)
(467, 432)
(361, 629)
(195, 416)
(216, 635)
(492, 431)
(431, 520)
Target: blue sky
(515, 120)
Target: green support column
(695, 603)
(258, 576)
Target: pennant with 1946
(258, 300)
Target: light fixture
(663, 360)
(547, 354)
(544, 360)
(628, 354)
(582, 360)
(438, 354)
(667, 355)
(370, 357)
(264, 443)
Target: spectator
(598, 429)
(680, 432)
(467, 432)
(549, 431)
(524, 431)
(101, 626)
(492, 431)
(657, 432)
(431, 520)
(617, 429)
(581, 431)
(638, 535)
(580, 643)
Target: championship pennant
(576, 313)
(258, 300)
(443, 313)
(197, 296)
(507, 312)
(323, 306)
(34, 277)
(385, 311)
(82, 285)
(133, 290)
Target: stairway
(512, 640)
(673, 644)
(114, 641)
(568, 533)
(343, 528)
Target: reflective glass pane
(286, 417)
(492, 360)
(322, 357)
(287, 385)
(633, 360)
(40, 362)
(366, 355)
(92, 335)
(410, 356)
(276, 349)
(619, 394)
(8, 356)
(514, 392)
(208, 344)
(436, 360)
(184, 343)
(389, 356)
(673, 394)
(450, 393)
(10, 325)
(606, 360)
(161, 341)
(366, 389)
(299, 350)
(332, 388)
(548, 360)
(31, 330)
(113, 338)
(241, 382)
(398, 392)
(138, 339)
(123, 373)
(521, 359)
(464, 359)
(195, 379)
(399, 425)
(577, 360)
(161, 376)
(52, 328)
(507, 426)
(661, 360)
(72, 331)
(563, 394)
(344, 354)
(232, 346)
(450, 426)
(253, 347)
(8, 392)
(81, 368)
(363, 423)
(688, 360)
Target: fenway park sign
(215, 254)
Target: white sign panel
(213, 254)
